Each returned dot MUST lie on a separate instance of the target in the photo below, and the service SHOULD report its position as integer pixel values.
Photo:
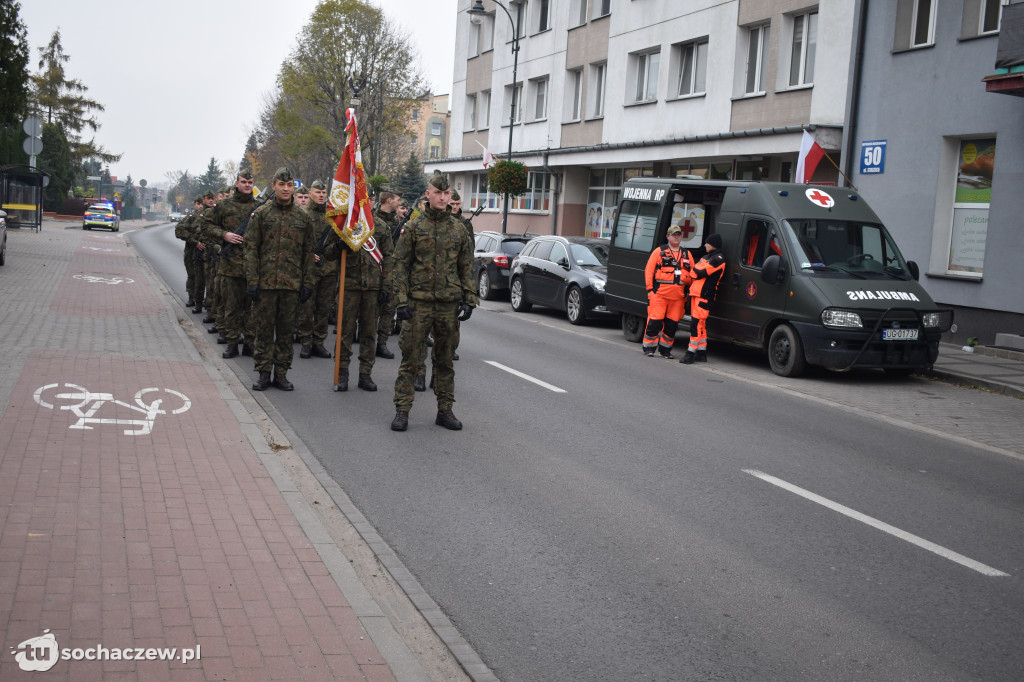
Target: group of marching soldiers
(266, 272)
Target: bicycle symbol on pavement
(84, 404)
(94, 279)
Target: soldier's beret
(302, 190)
(245, 174)
(439, 180)
(224, 190)
(284, 174)
(198, 199)
(208, 194)
(455, 195)
(318, 184)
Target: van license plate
(899, 335)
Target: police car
(101, 215)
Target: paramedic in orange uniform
(706, 275)
(667, 276)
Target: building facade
(430, 121)
(609, 89)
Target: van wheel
(519, 302)
(574, 306)
(633, 327)
(786, 352)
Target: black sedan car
(567, 273)
(492, 259)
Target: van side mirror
(915, 271)
(773, 271)
(564, 262)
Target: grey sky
(180, 86)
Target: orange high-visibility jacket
(706, 274)
(662, 266)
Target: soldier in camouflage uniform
(386, 217)
(278, 277)
(434, 289)
(211, 262)
(202, 296)
(219, 224)
(366, 289)
(183, 231)
(302, 197)
(315, 314)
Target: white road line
(880, 525)
(519, 374)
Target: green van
(812, 276)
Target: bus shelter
(21, 195)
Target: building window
(521, 18)
(603, 200)
(805, 41)
(692, 63)
(540, 99)
(602, 8)
(486, 33)
(971, 199)
(922, 30)
(646, 75)
(415, 114)
(484, 110)
(538, 194)
(514, 96)
(757, 57)
(991, 12)
(542, 15)
(470, 122)
(574, 95)
(578, 12)
(595, 107)
(435, 149)
(480, 195)
(435, 129)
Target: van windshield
(845, 247)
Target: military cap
(318, 184)
(302, 190)
(455, 195)
(224, 190)
(675, 229)
(284, 174)
(198, 199)
(405, 203)
(245, 174)
(208, 194)
(439, 180)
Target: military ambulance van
(812, 276)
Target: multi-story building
(610, 89)
(430, 123)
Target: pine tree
(14, 80)
(412, 183)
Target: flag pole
(848, 180)
(341, 314)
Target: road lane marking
(519, 374)
(881, 525)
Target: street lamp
(475, 12)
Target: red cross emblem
(820, 198)
(689, 228)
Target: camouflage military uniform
(183, 231)
(315, 314)
(233, 315)
(387, 311)
(279, 260)
(433, 277)
(211, 262)
(364, 279)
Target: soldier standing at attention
(434, 289)
(183, 231)
(278, 277)
(302, 197)
(211, 261)
(386, 219)
(219, 224)
(315, 314)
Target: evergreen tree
(56, 161)
(212, 179)
(14, 80)
(412, 183)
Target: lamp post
(475, 12)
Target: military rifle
(225, 251)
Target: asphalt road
(648, 520)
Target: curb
(975, 382)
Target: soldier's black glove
(383, 297)
(253, 292)
(465, 310)
(404, 313)
(305, 293)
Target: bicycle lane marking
(105, 289)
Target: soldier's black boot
(446, 419)
(419, 383)
(688, 358)
(431, 381)
(221, 339)
(247, 349)
(343, 379)
(702, 356)
(455, 356)
(231, 352)
(263, 383)
(401, 421)
(190, 302)
(281, 381)
(430, 342)
(209, 319)
(318, 351)
(211, 330)
(305, 350)
(383, 352)
(366, 383)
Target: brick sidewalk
(133, 509)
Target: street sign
(32, 146)
(33, 127)
(872, 157)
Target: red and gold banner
(348, 206)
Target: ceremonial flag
(810, 154)
(348, 207)
(488, 157)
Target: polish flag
(488, 156)
(810, 154)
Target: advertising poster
(970, 230)
(974, 177)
